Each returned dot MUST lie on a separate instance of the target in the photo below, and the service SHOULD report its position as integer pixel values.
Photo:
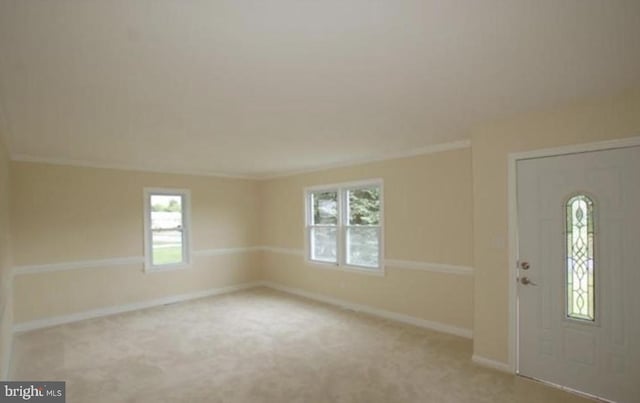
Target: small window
(166, 228)
(344, 225)
(580, 273)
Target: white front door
(579, 271)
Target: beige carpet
(262, 346)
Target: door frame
(512, 223)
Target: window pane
(324, 244)
(325, 208)
(580, 260)
(167, 247)
(362, 246)
(166, 229)
(364, 206)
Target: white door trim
(512, 161)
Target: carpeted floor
(262, 346)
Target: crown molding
(437, 148)
(125, 167)
(414, 152)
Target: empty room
(319, 201)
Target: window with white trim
(344, 225)
(166, 228)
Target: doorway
(578, 270)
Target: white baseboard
(398, 317)
(96, 313)
(489, 363)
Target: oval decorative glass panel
(580, 284)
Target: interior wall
(446, 208)
(582, 122)
(6, 310)
(428, 219)
(63, 214)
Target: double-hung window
(344, 225)
(166, 223)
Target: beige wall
(62, 214)
(428, 217)
(587, 121)
(66, 214)
(448, 207)
(5, 250)
(6, 312)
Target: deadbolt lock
(524, 265)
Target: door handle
(526, 281)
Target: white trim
(125, 167)
(394, 316)
(568, 389)
(437, 148)
(430, 267)
(396, 264)
(79, 264)
(577, 148)
(226, 251)
(120, 261)
(283, 251)
(512, 265)
(138, 260)
(112, 310)
(489, 363)
(512, 160)
(101, 312)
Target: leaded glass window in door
(580, 275)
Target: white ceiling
(266, 87)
